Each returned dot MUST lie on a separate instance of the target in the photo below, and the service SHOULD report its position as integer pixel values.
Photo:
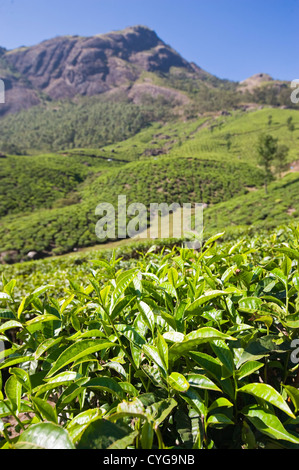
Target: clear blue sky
(230, 38)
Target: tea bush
(174, 349)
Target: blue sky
(232, 39)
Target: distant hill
(256, 80)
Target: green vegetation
(269, 152)
(256, 212)
(267, 94)
(182, 180)
(119, 343)
(175, 349)
(211, 94)
(48, 202)
(29, 183)
(91, 122)
(244, 128)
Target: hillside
(72, 225)
(48, 201)
(124, 113)
(256, 212)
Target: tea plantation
(171, 348)
(152, 345)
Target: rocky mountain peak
(256, 80)
(66, 66)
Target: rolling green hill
(168, 179)
(90, 122)
(29, 183)
(234, 137)
(48, 201)
(257, 211)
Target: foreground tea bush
(181, 349)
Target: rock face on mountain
(64, 67)
(70, 66)
(18, 91)
(255, 81)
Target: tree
(228, 141)
(290, 124)
(267, 148)
(280, 161)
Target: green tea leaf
(147, 314)
(122, 283)
(214, 238)
(77, 350)
(23, 377)
(46, 345)
(178, 382)
(268, 424)
(201, 381)
(195, 401)
(192, 340)
(13, 391)
(124, 442)
(248, 369)
(107, 384)
(154, 355)
(133, 408)
(293, 254)
(159, 411)
(205, 299)
(44, 436)
(225, 355)
(173, 276)
(147, 435)
(45, 409)
(294, 396)
(9, 325)
(269, 394)
(219, 419)
(163, 350)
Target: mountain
(57, 91)
(134, 62)
(64, 67)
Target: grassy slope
(199, 167)
(243, 128)
(90, 122)
(165, 180)
(44, 181)
(256, 211)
